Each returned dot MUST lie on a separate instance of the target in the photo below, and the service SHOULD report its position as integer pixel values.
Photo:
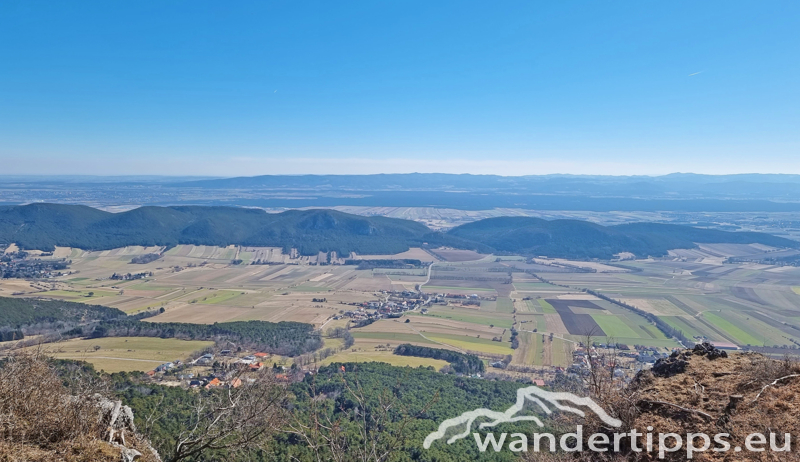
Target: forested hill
(581, 239)
(43, 226)
(58, 320)
(19, 312)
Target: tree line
(55, 319)
(459, 362)
(284, 338)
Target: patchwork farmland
(477, 301)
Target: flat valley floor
(694, 291)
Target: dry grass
(42, 420)
(739, 395)
(116, 354)
(79, 450)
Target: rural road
(430, 270)
(326, 323)
(434, 341)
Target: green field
(220, 296)
(614, 326)
(663, 342)
(559, 356)
(466, 342)
(530, 350)
(505, 305)
(678, 322)
(80, 295)
(533, 321)
(641, 326)
(395, 337)
(741, 337)
(474, 319)
(533, 307)
(546, 307)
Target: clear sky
(273, 87)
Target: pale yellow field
(434, 325)
(124, 353)
(599, 267)
(384, 357)
(198, 284)
(16, 286)
(414, 253)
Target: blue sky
(274, 87)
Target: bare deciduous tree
(234, 420)
(600, 380)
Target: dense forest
(284, 338)
(44, 226)
(581, 239)
(21, 315)
(459, 362)
(422, 397)
(60, 319)
(20, 312)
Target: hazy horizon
(132, 176)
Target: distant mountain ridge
(679, 192)
(44, 226)
(684, 185)
(600, 193)
(581, 239)
(466, 180)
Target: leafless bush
(763, 370)
(236, 420)
(35, 406)
(45, 416)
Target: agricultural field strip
(649, 283)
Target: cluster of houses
(129, 276)
(442, 298)
(227, 370)
(213, 381)
(393, 306)
(18, 265)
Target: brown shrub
(42, 420)
(35, 407)
(738, 395)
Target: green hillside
(19, 312)
(580, 239)
(43, 226)
(56, 319)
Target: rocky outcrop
(676, 363)
(116, 421)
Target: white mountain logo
(534, 394)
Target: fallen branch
(685, 409)
(772, 384)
